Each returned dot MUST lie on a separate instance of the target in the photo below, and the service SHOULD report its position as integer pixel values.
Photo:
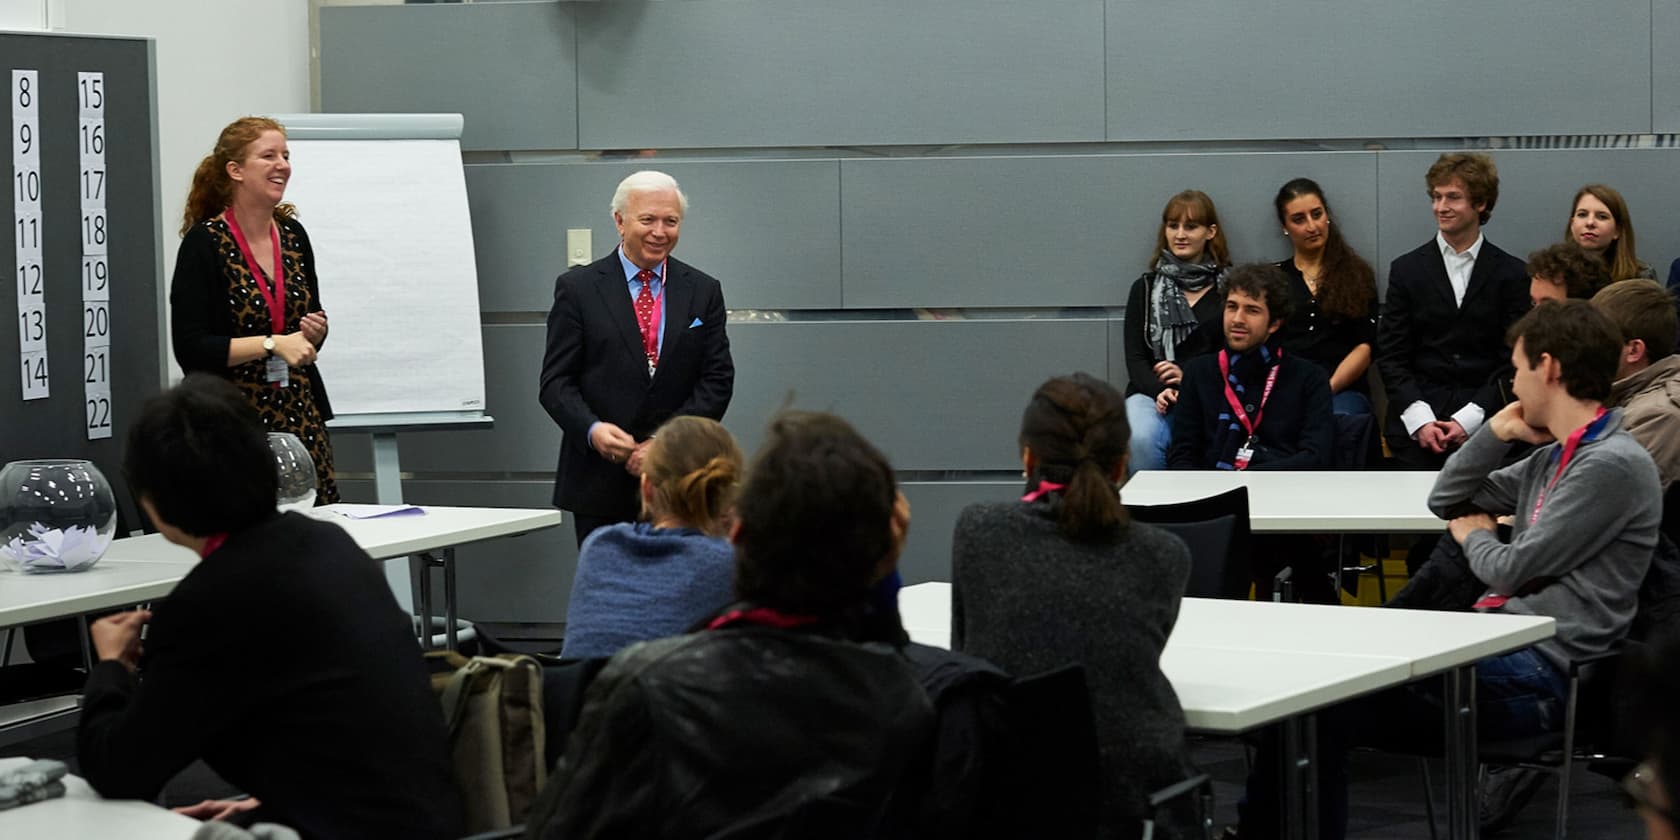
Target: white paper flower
(72, 549)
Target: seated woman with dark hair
(1334, 317)
(282, 659)
(1062, 576)
(774, 716)
(656, 578)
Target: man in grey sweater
(1586, 505)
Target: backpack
(492, 706)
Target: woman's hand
(117, 637)
(296, 349)
(314, 328)
(1165, 400)
(1169, 373)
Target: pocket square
(694, 323)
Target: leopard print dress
(292, 408)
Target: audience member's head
(1565, 345)
(1655, 784)
(1644, 314)
(198, 460)
(1565, 270)
(1463, 187)
(1599, 222)
(1190, 230)
(1257, 302)
(815, 524)
(690, 475)
(1074, 433)
(1346, 283)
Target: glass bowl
(55, 516)
(296, 472)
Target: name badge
(1245, 453)
(277, 372)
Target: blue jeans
(1350, 402)
(1517, 694)
(1151, 434)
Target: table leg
(449, 596)
(1462, 764)
(87, 647)
(1298, 769)
(419, 566)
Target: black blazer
(1297, 427)
(1432, 349)
(594, 369)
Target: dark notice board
(56, 427)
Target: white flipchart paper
(394, 253)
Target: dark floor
(1387, 799)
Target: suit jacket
(1432, 349)
(1297, 427)
(283, 661)
(594, 369)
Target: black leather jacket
(748, 731)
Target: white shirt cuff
(1470, 417)
(1416, 416)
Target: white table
(1239, 665)
(147, 568)
(1304, 501)
(83, 813)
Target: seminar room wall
(921, 210)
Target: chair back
(1056, 748)
(1217, 531)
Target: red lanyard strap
(1564, 457)
(274, 296)
(1231, 394)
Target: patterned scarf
(1170, 319)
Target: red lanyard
(1231, 394)
(1563, 461)
(275, 297)
(1043, 488)
(764, 616)
(213, 542)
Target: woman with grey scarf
(1165, 314)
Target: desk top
(1240, 664)
(1304, 501)
(83, 813)
(144, 568)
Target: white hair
(647, 180)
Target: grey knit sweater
(1582, 560)
(1029, 600)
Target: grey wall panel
(1665, 67)
(930, 394)
(934, 507)
(769, 230)
(774, 73)
(509, 68)
(1068, 230)
(1206, 69)
(1535, 190)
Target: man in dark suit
(633, 340)
(1441, 342)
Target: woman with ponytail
(657, 577)
(1334, 316)
(1063, 577)
(244, 303)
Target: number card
(35, 375)
(25, 96)
(96, 286)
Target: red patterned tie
(645, 318)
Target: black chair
(1217, 531)
(1056, 744)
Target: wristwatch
(268, 346)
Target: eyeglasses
(1641, 785)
